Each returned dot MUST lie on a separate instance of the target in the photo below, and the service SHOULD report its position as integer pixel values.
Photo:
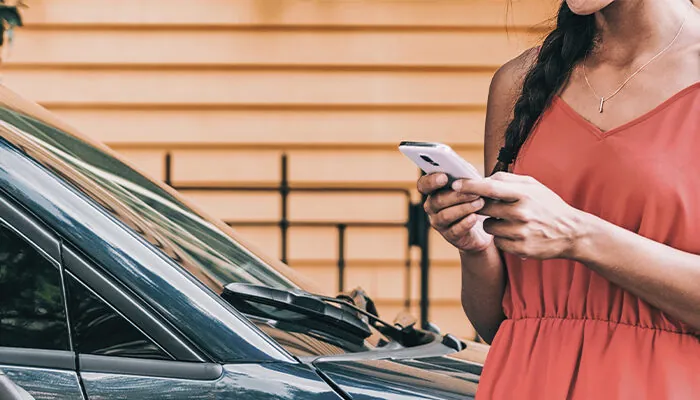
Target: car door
(10, 391)
(119, 357)
(35, 347)
(123, 349)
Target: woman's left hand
(526, 218)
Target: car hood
(398, 380)
(420, 376)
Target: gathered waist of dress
(582, 320)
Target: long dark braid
(561, 50)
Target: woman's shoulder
(508, 79)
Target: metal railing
(416, 225)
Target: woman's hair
(561, 50)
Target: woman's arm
(530, 220)
(666, 278)
(483, 284)
(483, 272)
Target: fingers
(508, 177)
(504, 229)
(509, 246)
(491, 188)
(460, 229)
(428, 184)
(449, 216)
(508, 211)
(441, 200)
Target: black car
(112, 286)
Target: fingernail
(457, 185)
(478, 203)
(441, 179)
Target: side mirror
(10, 391)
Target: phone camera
(429, 160)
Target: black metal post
(424, 227)
(168, 169)
(284, 221)
(409, 279)
(341, 256)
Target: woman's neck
(631, 29)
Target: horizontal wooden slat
(380, 282)
(445, 282)
(325, 278)
(355, 168)
(377, 244)
(316, 206)
(150, 162)
(225, 166)
(313, 243)
(364, 245)
(123, 87)
(238, 206)
(440, 249)
(295, 48)
(267, 239)
(339, 207)
(277, 128)
(289, 12)
(360, 167)
(451, 319)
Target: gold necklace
(603, 99)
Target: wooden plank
(313, 243)
(458, 13)
(360, 167)
(237, 206)
(283, 128)
(440, 249)
(267, 239)
(445, 282)
(348, 207)
(451, 319)
(203, 88)
(325, 278)
(150, 162)
(377, 244)
(296, 48)
(220, 167)
(380, 282)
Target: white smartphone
(438, 157)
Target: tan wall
(226, 86)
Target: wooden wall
(227, 86)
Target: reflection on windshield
(195, 243)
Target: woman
(589, 287)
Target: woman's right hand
(453, 214)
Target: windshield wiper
(336, 311)
(342, 316)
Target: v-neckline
(605, 133)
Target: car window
(198, 244)
(32, 313)
(98, 329)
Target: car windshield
(199, 244)
(202, 245)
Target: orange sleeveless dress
(569, 333)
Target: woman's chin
(587, 7)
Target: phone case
(438, 157)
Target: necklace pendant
(602, 101)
